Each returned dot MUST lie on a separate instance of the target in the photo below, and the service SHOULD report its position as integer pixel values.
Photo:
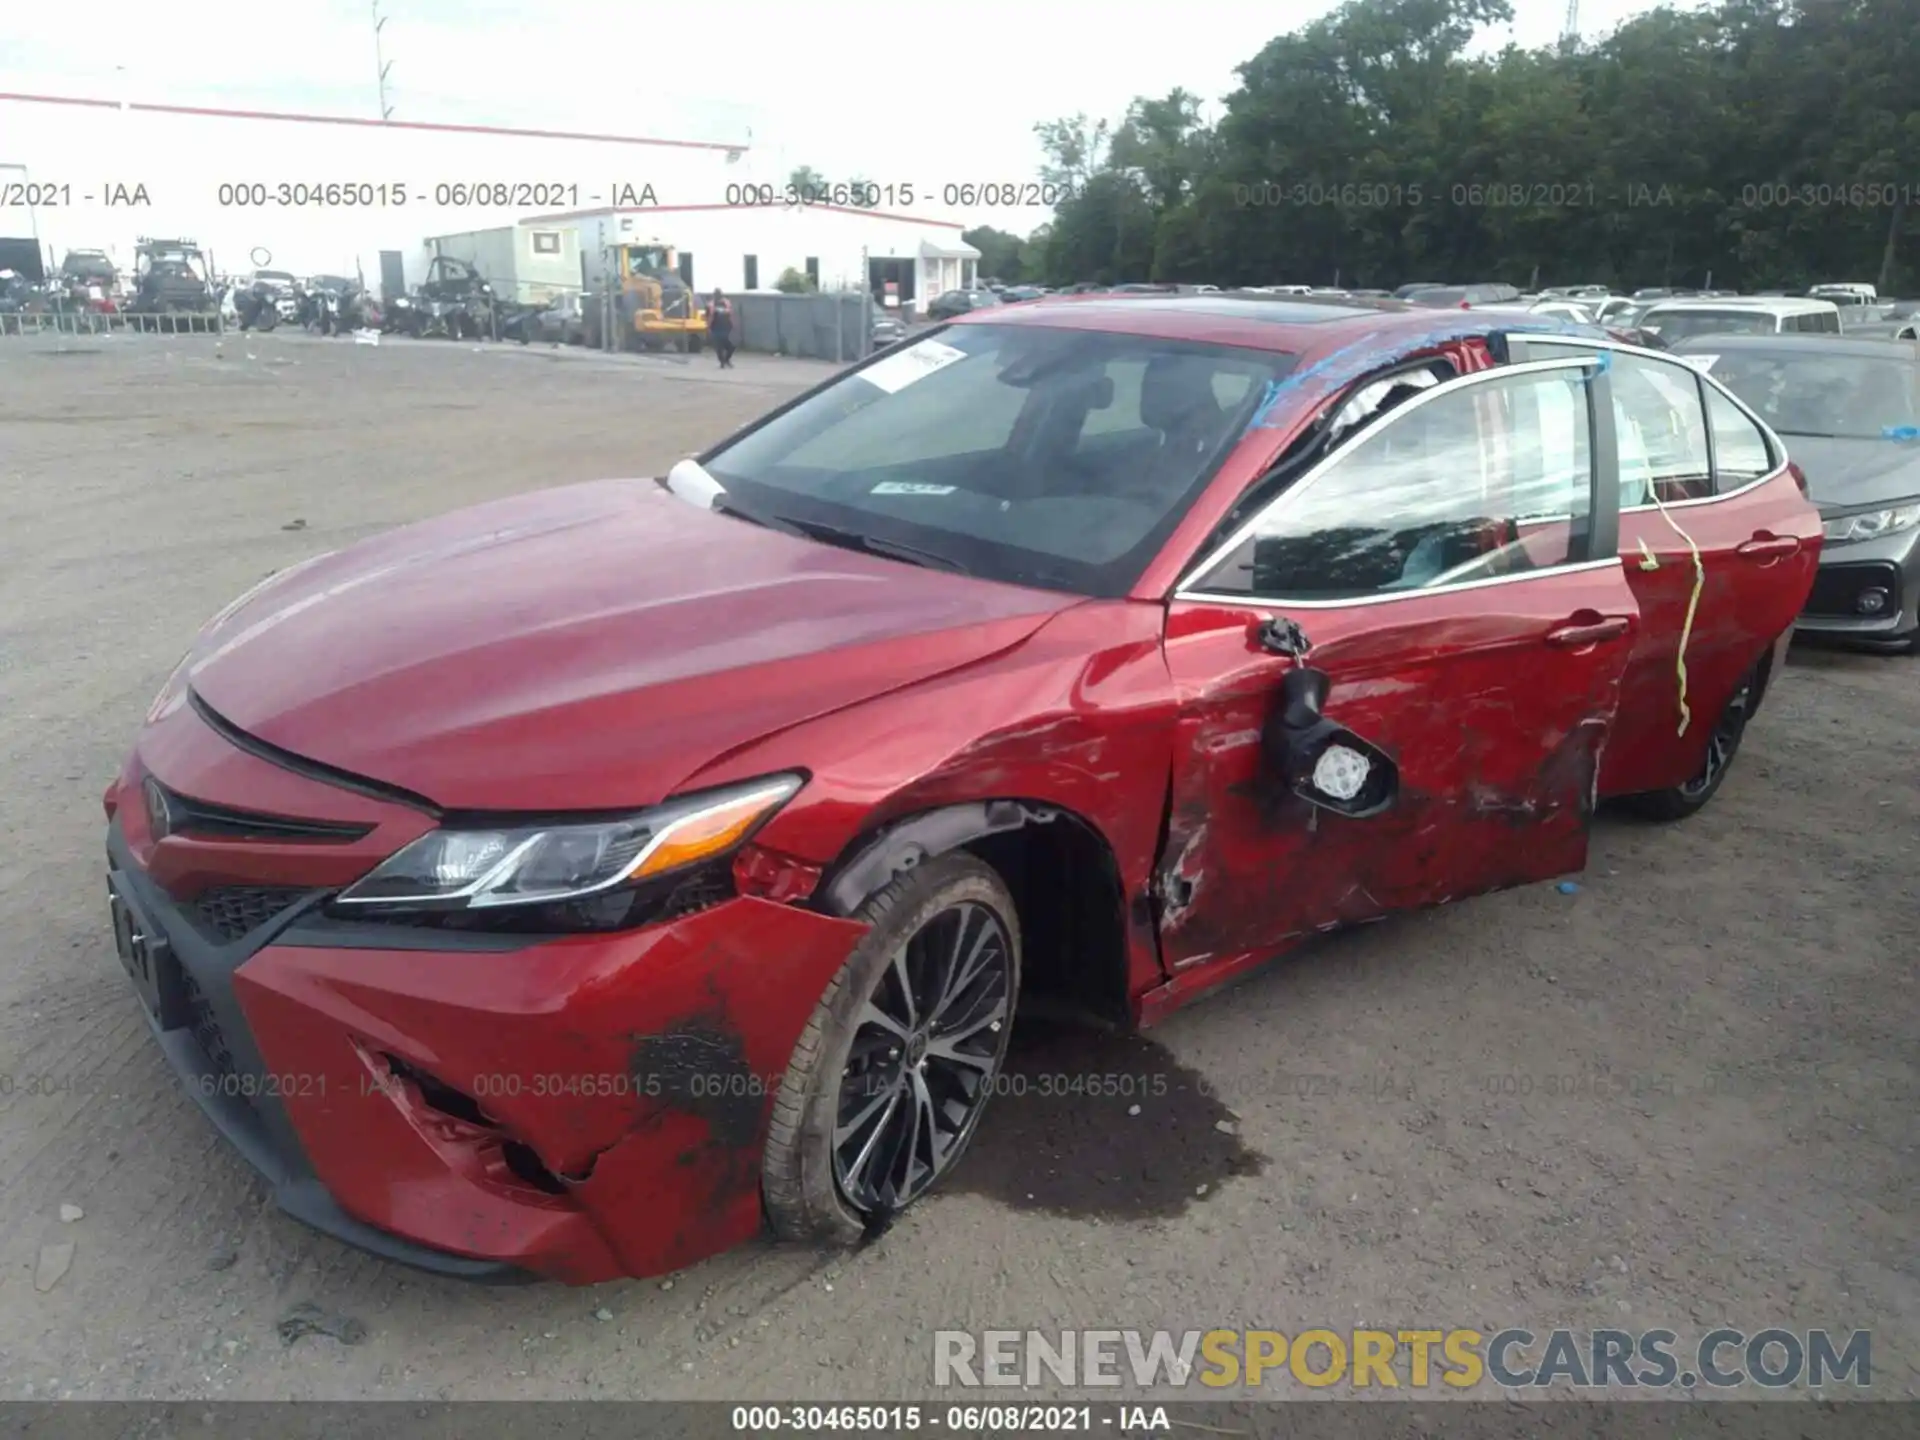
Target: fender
(900, 847)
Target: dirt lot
(1680, 1096)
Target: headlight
(474, 869)
(1872, 524)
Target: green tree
(1002, 255)
(1762, 143)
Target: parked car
(1454, 296)
(1845, 295)
(562, 321)
(1084, 287)
(959, 302)
(888, 327)
(663, 861)
(1676, 320)
(1014, 294)
(1849, 411)
(1412, 287)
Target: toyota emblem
(159, 816)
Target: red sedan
(578, 883)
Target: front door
(1453, 571)
(1719, 546)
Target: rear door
(1454, 570)
(1698, 476)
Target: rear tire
(1691, 797)
(837, 1162)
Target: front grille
(1836, 588)
(204, 1026)
(227, 912)
(188, 816)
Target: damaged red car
(578, 884)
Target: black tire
(802, 1177)
(1723, 745)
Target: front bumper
(1890, 564)
(494, 1107)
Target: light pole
(381, 63)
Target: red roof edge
(433, 126)
(744, 209)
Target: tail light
(1799, 477)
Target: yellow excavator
(653, 308)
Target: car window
(1662, 432)
(1823, 393)
(1487, 480)
(1672, 325)
(1740, 451)
(1059, 458)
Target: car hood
(1846, 474)
(581, 648)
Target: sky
(898, 95)
(925, 94)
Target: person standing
(720, 328)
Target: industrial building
(903, 260)
(343, 194)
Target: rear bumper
(490, 1107)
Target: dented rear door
(1453, 569)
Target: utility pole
(380, 61)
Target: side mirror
(1321, 760)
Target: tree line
(1759, 144)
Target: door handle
(1765, 546)
(1580, 630)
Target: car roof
(1288, 324)
(1866, 346)
(1770, 304)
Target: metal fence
(817, 327)
(90, 322)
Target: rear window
(1056, 458)
(1673, 325)
(1808, 392)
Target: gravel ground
(1680, 1096)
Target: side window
(1662, 432)
(1492, 479)
(1740, 453)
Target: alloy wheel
(927, 1045)
(1723, 742)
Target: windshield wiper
(856, 540)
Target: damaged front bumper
(486, 1106)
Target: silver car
(1849, 410)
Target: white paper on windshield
(909, 487)
(1700, 362)
(916, 362)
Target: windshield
(1853, 397)
(1685, 324)
(1055, 458)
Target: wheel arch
(1064, 875)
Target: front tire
(892, 1073)
(1691, 797)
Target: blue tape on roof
(1364, 354)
